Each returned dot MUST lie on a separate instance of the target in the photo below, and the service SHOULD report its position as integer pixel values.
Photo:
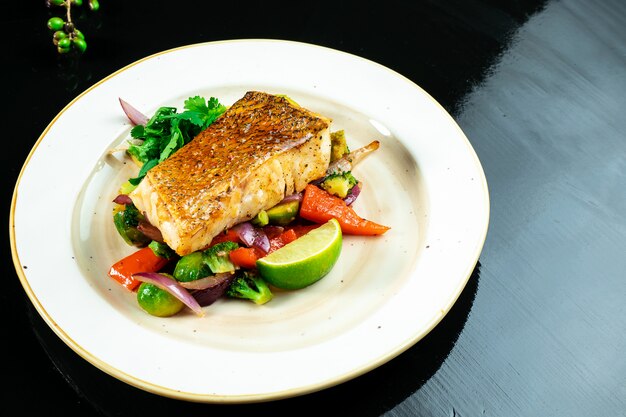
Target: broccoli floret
(250, 286)
(339, 184)
(216, 257)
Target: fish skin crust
(263, 148)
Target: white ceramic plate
(384, 294)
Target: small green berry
(80, 44)
(79, 34)
(77, 2)
(68, 27)
(57, 2)
(64, 43)
(62, 50)
(55, 23)
(94, 5)
(58, 35)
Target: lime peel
(304, 261)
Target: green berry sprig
(66, 36)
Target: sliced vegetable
(319, 206)
(206, 282)
(214, 291)
(143, 260)
(302, 229)
(281, 240)
(283, 213)
(169, 284)
(246, 257)
(229, 235)
(123, 199)
(261, 219)
(135, 116)
(252, 236)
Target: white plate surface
(383, 296)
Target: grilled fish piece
(263, 148)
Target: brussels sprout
(157, 301)
(126, 222)
(191, 267)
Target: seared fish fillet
(260, 150)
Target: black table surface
(538, 87)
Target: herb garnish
(168, 131)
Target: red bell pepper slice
(143, 260)
(319, 206)
(227, 235)
(246, 257)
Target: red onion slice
(173, 287)
(252, 236)
(215, 291)
(292, 197)
(206, 282)
(150, 231)
(135, 116)
(352, 194)
(123, 199)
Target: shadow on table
(368, 395)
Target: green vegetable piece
(161, 250)
(217, 259)
(55, 23)
(339, 146)
(250, 286)
(339, 184)
(157, 301)
(126, 222)
(261, 219)
(191, 267)
(126, 188)
(168, 131)
(283, 213)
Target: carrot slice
(319, 206)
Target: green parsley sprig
(168, 131)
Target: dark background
(538, 87)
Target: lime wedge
(305, 260)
